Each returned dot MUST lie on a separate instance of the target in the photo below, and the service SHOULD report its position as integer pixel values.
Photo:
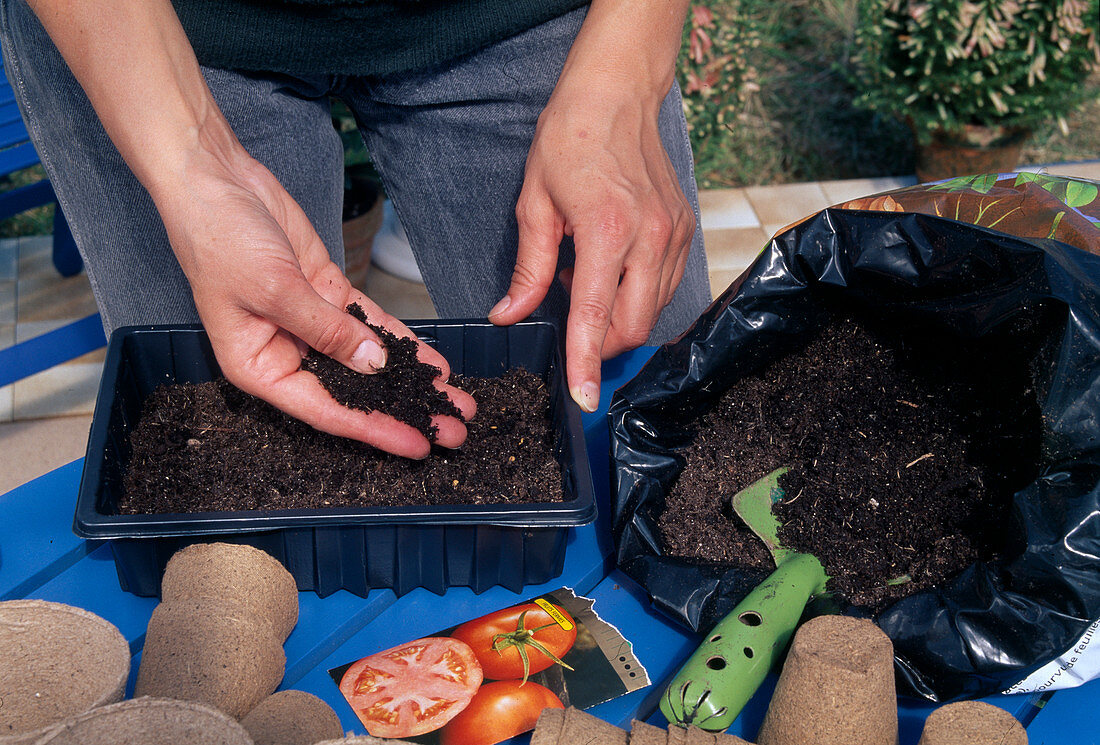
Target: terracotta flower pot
(362, 219)
(973, 150)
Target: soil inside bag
(904, 448)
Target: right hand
(267, 290)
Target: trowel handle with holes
(723, 674)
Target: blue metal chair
(16, 153)
(69, 342)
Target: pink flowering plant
(946, 66)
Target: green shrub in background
(718, 79)
(946, 64)
(36, 221)
(780, 109)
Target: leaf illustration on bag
(1078, 194)
(1028, 177)
(1072, 193)
(1054, 225)
(980, 183)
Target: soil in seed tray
(211, 447)
(904, 451)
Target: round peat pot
(292, 718)
(212, 653)
(972, 723)
(248, 578)
(837, 686)
(150, 721)
(56, 662)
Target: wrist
(608, 79)
(194, 156)
(629, 47)
(185, 145)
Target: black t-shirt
(353, 37)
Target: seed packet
(488, 679)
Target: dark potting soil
(904, 451)
(403, 388)
(211, 447)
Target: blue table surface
(40, 557)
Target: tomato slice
(414, 688)
(500, 710)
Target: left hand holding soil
(276, 295)
(265, 358)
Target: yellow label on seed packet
(554, 613)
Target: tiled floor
(44, 419)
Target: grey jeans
(450, 142)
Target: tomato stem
(522, 638)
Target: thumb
(332, 331)
(540, 233)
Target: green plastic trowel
(723, 674)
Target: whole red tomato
(501, 709)
(519, 641)
(412, 689)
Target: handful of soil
(403, 388)
(211, 447)
(904, 452)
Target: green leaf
(1072, 193)
(980, 183)
(956, 184)
(1054, 225)
(1027, 177)
(1080, 193)
(983, 183)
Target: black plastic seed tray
(356, 549)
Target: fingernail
(587, 396)
(368, 357)
(501, 306)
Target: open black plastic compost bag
(1013, 243)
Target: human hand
(263, 282)
(597, 171)
(266, 290)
